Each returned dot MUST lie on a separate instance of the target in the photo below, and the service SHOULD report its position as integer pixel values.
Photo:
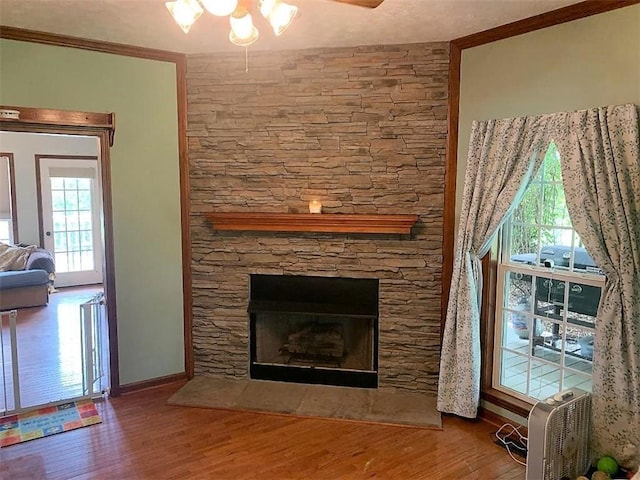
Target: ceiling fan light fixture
(220, 8)
(243, 32)
(185, 12)
(278, 13)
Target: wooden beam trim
(450, 173)
(544, 20)
(34, 36)
(185, 202)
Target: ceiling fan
(243, 32)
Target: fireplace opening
(310, 329)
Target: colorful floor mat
(47, 421)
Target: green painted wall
(145, 184)
(586, 63)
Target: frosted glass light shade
(220, 8)
(279, 14)
(243, 32)
(185, 12)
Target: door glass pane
(72, 225)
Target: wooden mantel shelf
(313, 222)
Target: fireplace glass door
(314, 329)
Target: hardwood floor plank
(143, 438)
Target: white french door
(72, 218)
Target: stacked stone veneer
(363, 130)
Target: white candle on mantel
(315, 206)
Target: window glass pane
(62, 264)
(86, 240)
(59, 222)
(545, 380)
(74, 262)
(85, 220)
(73, 241)
(518, 291)
(579, 348)
(549, 297)
(71, 200)
(60, 241)
(515, 335)
(583, 303)
(5, 235)
(577, 380)
(547, 343)
(57, 200)
(84, 200)
(72, 220)
(57, 183)
(514, 371)
(528, 211)
(87, 260)
(524, 244)
(70, 183)
(84, 183)
(552, 171)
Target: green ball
(608, 465)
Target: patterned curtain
(503, 157)
(600, 151)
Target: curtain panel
(600, 151)
(601, 175)
(503, 156)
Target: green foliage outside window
(542, 208)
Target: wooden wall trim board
(450, 172)
(153, 383)
(34, 36)
(185, 202)
(61, 118)
(544, 20)
(497, 420)
(537, 22)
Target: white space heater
(558, 438)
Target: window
(548, 291)
(6, 230)
(8, 221)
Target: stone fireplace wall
(363, 130)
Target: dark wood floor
(143, 438)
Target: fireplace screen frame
(326, 298)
